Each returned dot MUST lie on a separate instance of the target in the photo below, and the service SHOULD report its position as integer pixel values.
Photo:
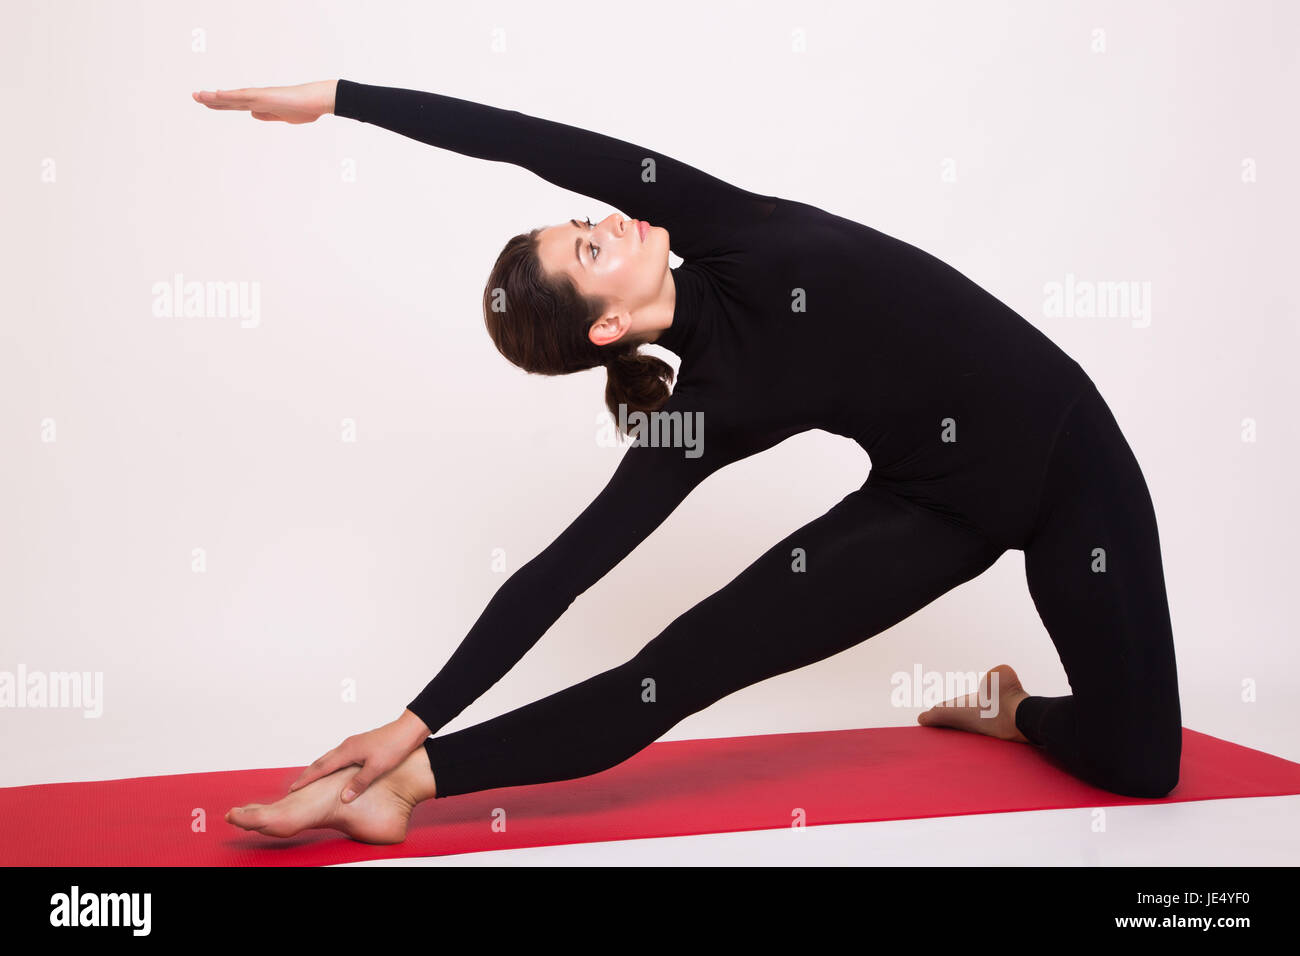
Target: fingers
(224, 99)
(360, 780)
(322, 767)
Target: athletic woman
(983, 437)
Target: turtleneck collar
(684, 337)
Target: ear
(609, 328)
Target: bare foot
(379, 815)
(967, 713)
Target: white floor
(1261, 831)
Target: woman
(982, 434)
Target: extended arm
(700, 212)
(646, 487)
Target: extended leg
(1095, 574)
(868, 563)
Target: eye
(593, 249)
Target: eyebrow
(577, 243)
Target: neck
(658, 316)
(679, 317)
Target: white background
(366, 562)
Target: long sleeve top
(787, 318)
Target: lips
(642, 228)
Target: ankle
(1019, 698)
(425, 786)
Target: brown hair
(540, 323)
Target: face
(611, 258)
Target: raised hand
(303, 103)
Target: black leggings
(1094, 571)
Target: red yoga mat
(672, 788)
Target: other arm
(700, 211)
(646, 487)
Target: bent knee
(1151, 777)
(1148, 787)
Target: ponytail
(638, 381)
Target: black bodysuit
(983, 436)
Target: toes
(936, 716)
(250, 816)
